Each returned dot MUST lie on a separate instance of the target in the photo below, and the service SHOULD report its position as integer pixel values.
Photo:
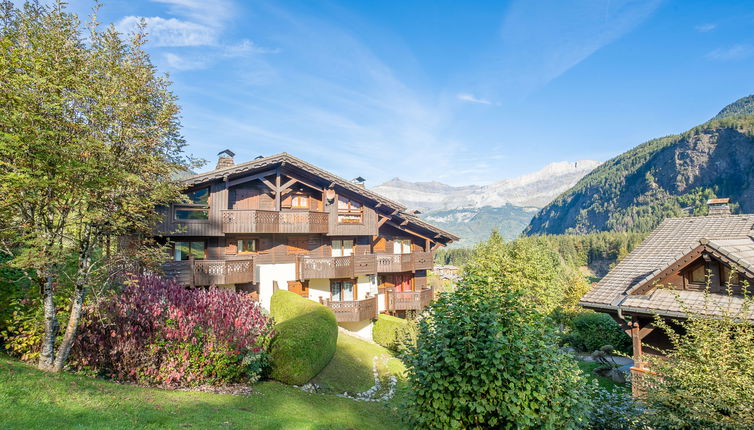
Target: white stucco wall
(362, 329)
(268, 274)
(319, 288)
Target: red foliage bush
(155, 331)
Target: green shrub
(388, 331)
(591, 331)
(706, 381)
(307, 333)
(486, 359)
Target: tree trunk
(77, 304)
(47, 352)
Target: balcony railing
(337, 267)
(260, 221)
(353, 310)
(210, 272)
(409, 300)
(387, 263)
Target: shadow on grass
(30, 399)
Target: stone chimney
(718, 207)
(359, 181)
(225, 159)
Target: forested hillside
(669, 176)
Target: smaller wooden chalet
(278, 222)
(679, 258)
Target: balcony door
(343, 290)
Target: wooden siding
(337, 267)
(258, 221)
(409, 300)
(354, 310)
(367, 226)
(210, 272)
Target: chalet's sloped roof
(667, 244)
(285, 159)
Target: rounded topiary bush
(591, 331)
(484, 359)
(306, 335)
(388, 331)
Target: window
(247, 245)
(698, 275)
(349, 211)
(728, 277)
(342, 247)
(300, 201)
(197, 208)
(343, 290)
(402, 246)
(185, 250)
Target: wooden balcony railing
(387, 263)
(337, 267)
(409, 300)
(210, 272)
(259, 221)
(354, 310)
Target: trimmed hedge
(387, 331)
(307, 333)
(591, 331)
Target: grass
(351, 368)
(30, 399)
(588, 368)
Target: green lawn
(351, 368)
(30, 399)
(588, 368)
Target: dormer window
(698, 275)
(197, 207)
(729, 277)
(349, 211)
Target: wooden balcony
(210, 272)
(409, 300)
(389, 263)
(337, 267)
(259, 221)
(354, 310)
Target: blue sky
(458, 92)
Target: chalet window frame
(354, 289)
(241, 246)
(342, 247)
(349, 211)
(298, 196)
(194, 207)
(190, 243)
(404, 245)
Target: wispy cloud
(542, 40)
(470, 98)
(178, 62)
(170, 32)
(732, 53)
(703, 28)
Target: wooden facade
(283, 213)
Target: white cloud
(735, 52)
(170, 32)
(470, 98)
(178, 62)
(247, 47)
(214, 13)
(703, 28)
(543, 39)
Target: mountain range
(472, 211)
(669, 176)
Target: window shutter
(231, 248)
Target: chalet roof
(285, 159)
(672, 240)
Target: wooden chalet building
(676, 259)
(280, 223)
